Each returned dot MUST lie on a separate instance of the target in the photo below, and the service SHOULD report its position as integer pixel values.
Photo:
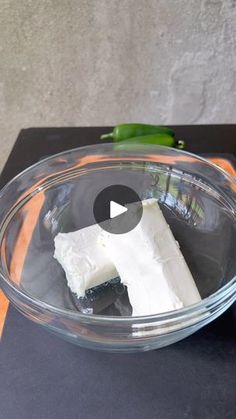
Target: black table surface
(43, 377)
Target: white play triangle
(116, 209)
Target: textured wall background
(99, 62)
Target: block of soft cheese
(84, 260)
(151, 265)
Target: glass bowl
(57, 195)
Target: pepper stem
(107, 136)
(180, 144)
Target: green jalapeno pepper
(158, 139)
(161, 139)
(127, 131)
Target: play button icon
(117, 209)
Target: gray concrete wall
(100, 62)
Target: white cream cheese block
(151, 265)
(84, 260)
(147, 259)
